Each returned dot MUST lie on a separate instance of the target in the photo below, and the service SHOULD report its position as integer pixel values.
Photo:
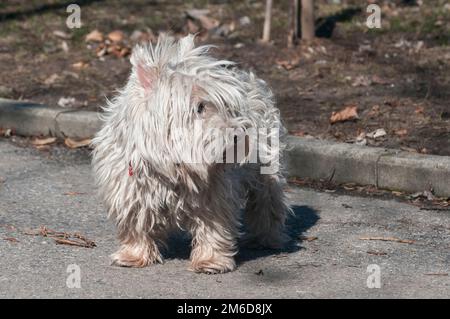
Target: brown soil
(397, 76)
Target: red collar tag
(130, 169)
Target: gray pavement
(33, 184)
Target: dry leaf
(118, 51)
(101, 51)
(94, 36)
(111, 48)
(43, 141)
(348, 113)
(116, 36)
(377, 80)
(11, 239)
(124, 52)
(289, 64)
(397, 240)
(5, 132)
(51, 79)
(77, 144)
(297, 181)
(419, 110)
(80, 65)
(401, 132)
(298, 133)
(362, 81)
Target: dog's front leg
(136, 250)
(215, 230)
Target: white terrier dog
(155, 172)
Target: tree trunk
(293, 31)
(267, 22)
(298, 22)
(308, 27)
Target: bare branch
(267, 22)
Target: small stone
(377, 134)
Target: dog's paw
(213, 265)
(129, 258)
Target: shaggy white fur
(152, 168)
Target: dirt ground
(398, 76)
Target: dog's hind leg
(265, 212)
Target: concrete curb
(30, 119)
(316, 159)
(384, 168)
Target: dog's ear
(146, 75)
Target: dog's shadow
(302, 219)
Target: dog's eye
(201, 108)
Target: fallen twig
(71, 242)
(62, 238)
(297, 264)
(435, 208)
(397, 240)
(308, 238)
(376, 253)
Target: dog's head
(184, 107)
